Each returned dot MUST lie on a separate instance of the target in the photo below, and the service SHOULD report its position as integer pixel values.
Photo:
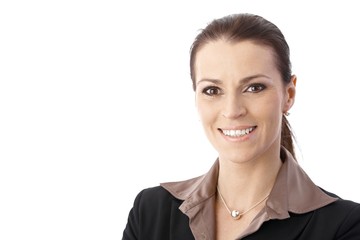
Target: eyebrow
(243, 80)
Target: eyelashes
(211, 91)
(215, 90)
(256, 87)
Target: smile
(237, 132)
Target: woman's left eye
(255, 88)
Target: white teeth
(237, 133)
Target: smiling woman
(244, 87)
(247, 96)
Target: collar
(195, 190)
(293, 192)
(301, 194)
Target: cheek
(206, 111)
(203, 112)
(270, 110)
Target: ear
(290, 92)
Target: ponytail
(287, 136)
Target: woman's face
(241, 98)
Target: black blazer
(156, 216)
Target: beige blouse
(293, 192)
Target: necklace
(235, 214)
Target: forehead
(243, 58)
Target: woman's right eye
(211, 91)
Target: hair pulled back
(239, 27)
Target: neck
(243, 184)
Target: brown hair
(239, 27)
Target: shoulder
(343, 215)
(348, 213)
(155, 200)
(341, 209)
(341, 205)
(153, 196)
(338, 220)
(153, 214)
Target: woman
(244, 88)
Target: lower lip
(238, 139)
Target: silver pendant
(235, 214)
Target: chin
(236, 157)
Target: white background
(96, 104)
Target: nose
(233, 107)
